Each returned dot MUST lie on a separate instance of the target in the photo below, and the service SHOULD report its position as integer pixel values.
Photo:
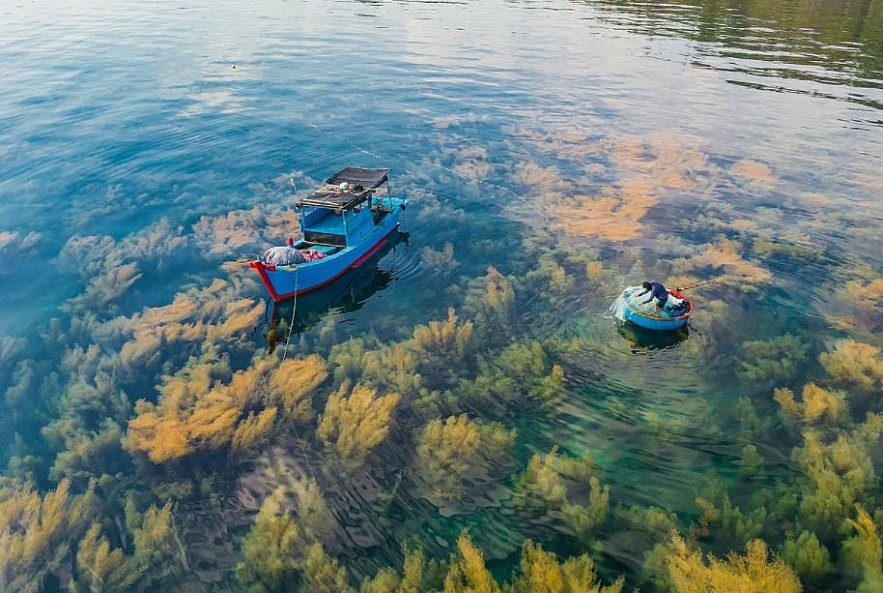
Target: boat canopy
(360, 184)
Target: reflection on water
(825, 49)
(469, 378)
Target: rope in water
(293, 311)
(284, 356)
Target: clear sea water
(577, 147)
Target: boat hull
(285, 282)
(659, 322)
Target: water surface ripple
(554, 153)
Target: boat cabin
(345, 210)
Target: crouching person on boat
(664, 300)
(657, 291)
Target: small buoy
(344, 186)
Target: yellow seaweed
(858, 365)
(99, 568)
(271, 552)
(864, 552)
(548, 488)
(450, 449)
(197, 411)
(816, 404)
(36, 531)
(692, 572)
(324, 574)
(468, 573)
(541, 572)
(355, 421)
(293, 383)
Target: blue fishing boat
(651, 317)
(342, 224)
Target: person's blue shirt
(656, 290)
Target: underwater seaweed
(292, 384)
(808, 556)
(156, 554)
(90, 453)
(468, 573)
(728, 524)
(838, 475)
(856, 364)
(725, 258)
(541, 572)
(777, 359)
(451, 449)
(490, 302)
(864, 553)
(418, 575)
(440, 261)
(322, 573)
(692, 572)
(755, 172)
(272, 551)
(100, 568)
(446, 339)
(37, 532)
(551, 487)
(355, 421)
(441, 347)
(815, 405)
(863, 296)
(196, 410)
(519, 375)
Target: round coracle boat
(673, 315)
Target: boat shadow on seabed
(647, 339)
(348, 293)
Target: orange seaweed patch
(282, 224)
(860, 302)
(196, 411)
(567, 143)
(608, 217)
(213, 313)
(244, 228)
(545, 179)
(753, 171)
(867, 295)
(646, 169)
(473, 163)
(240, 315)
(725, 256)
